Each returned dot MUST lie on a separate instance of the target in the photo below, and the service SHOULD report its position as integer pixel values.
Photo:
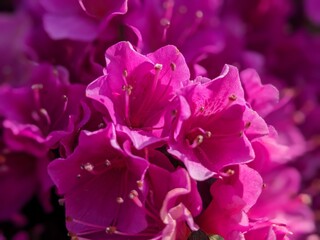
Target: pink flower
(137, 90)
(211, 133)
(232, 197)
(37, 114)
(110, 191)
(78, 20)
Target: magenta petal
(93, 178)
(71, 27)
(102, 8)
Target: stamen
(199, 14)
(36, 93)
(119, 200)
(305, 198)
(127, 88)
(125, 73)
(165, 22)
(133, 195)
(158, 66)
(197, 141)
(140, 184)
(107, 163)
(111, 229)
(230, 172)
(88, 166)
(208, 134)
(173, 66)
(247, 125)
(79, 176)
(232, 97)
(201, 109)
(46, 115)
(37, 86)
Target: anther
(173, 66)
(133, 194)
(165, 22)
(199, 14)
(127, 88)
(140, 184)
(230, 172)
(247, 125)
(232, 97)
(158, 66)
(305, 198)
(264, 185)
(88, 167)
(107, 163)
(201, 109)
(111, 229)
(199, 139)
(78, 176)
(208, 134)
(119, 200)
(125, 73)
(37, 86)
(64, 98)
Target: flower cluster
(162, 119)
